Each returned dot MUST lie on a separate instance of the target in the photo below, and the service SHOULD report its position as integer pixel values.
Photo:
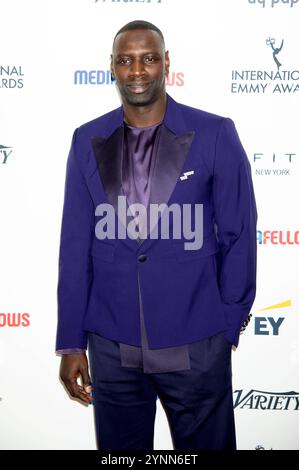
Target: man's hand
(72, 367)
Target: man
(158, 320)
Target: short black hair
(140, 24)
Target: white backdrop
(43, 44)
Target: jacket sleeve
(70, 351)
(235, 216)
(75, 273)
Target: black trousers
(198, 402)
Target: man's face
(139, 65)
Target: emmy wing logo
(275, 50)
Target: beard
(151, 94)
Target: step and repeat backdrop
(235, 58)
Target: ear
(167, 63)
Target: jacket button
(142, 258)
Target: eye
(149, 59)
(123, 61)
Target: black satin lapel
(108, 155)
(109, 159)
(172, 152)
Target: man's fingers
(86, 380)
(87, 386)
(72, 368)
(77, 391)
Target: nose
(137, 68)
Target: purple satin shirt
(139, 160)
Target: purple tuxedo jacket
(187, 295)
